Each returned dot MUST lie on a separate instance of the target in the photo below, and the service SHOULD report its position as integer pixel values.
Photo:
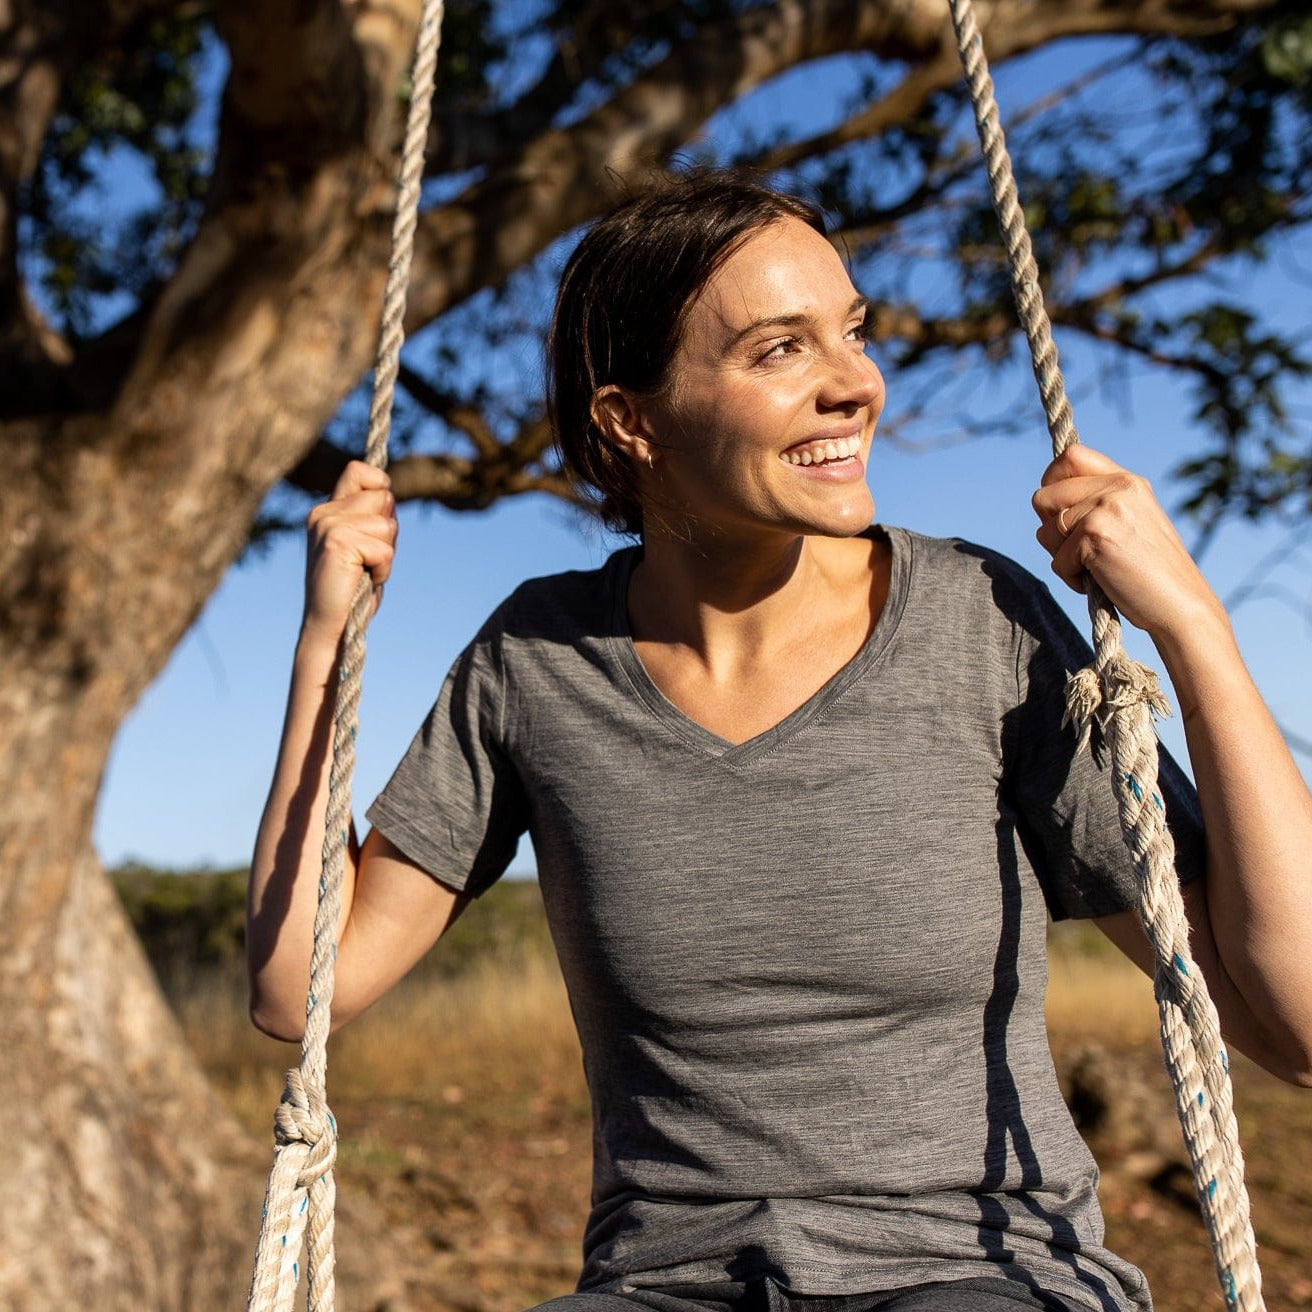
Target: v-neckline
(711, 744)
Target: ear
(619, 417)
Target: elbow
(1293, 1054)
(285, 1018)
(278, 1022)
(1297, 1071)
(1289, 1059)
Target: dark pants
(984, 1295)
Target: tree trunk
(126, 1184)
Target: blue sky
(190, 768)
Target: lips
(822, 451)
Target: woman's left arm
(1251, 917)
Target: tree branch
(451, 410)
(298, 85)
(456, 482)
(550, 186)
(461, 138)
(41, 43)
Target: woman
(801, 803)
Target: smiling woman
(801, 801)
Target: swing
(1116, 695)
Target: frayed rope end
(1124, 684)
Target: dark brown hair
(622, 303)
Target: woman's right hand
(352, 532)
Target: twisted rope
(1119, 696)
(301, 1194)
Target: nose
(851, 381)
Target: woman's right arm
(392, 911)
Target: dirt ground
(487, 1190)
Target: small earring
(651, 461)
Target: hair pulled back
(622, 304)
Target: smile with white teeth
(822, 452)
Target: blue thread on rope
(1231, 1293)
(1225, 1060)
(305, 1202)
(1211, 1187)
(1179, 964)
(1200, 1099)
(1158, 803)
(296, 1271)
(1135, 787)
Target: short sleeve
(1064, 798)
(455, 804)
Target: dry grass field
(464, 1120)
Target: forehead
(784, 270)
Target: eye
(776, 350)
(861, 330)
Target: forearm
(284, 886)
(1258, 816)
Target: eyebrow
(791, 320)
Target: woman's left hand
(1102, 521)
(1251, 917)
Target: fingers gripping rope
(301, 1193)
(1118, 696)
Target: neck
(724, 599)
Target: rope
(1119, 696)
(300, 1195)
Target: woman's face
(768, 419)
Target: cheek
(735, 420)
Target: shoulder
(959, 573)
(979, 608)
(558, 609)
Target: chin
(846, 522)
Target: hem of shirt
(820, 1280)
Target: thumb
(1078, 461)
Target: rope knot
(302, 1117)
(1094, 697)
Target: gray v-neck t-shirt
(808, 970)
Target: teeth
(817, 453)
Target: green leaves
(122, 175)
(1287, 48)
(1257, 463)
